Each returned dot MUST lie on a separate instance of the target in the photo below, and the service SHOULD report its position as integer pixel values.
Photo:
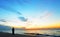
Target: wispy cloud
(45, 14)
(2, 20)
(8, 8)
(19, 13)
(23, 19)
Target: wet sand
(15, 35)
(21, 35)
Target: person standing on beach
(13, 31)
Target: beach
(2, 34)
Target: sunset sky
(30, 13)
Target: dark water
(19, 31)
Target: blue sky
(13, 9)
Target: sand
(15, 35)
(2, 34)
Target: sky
(30, 13)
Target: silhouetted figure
(13, 30)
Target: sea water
(48, 32)
(22, 31)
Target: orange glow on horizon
(38, 27)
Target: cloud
(2, 20)
(10, 9)
(7, 8)
(19, 13)
(45, 15)
(23, 19)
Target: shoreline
(3, 34)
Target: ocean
(22, 31)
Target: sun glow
(43, 21)
(39, 22)
(34, 23)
